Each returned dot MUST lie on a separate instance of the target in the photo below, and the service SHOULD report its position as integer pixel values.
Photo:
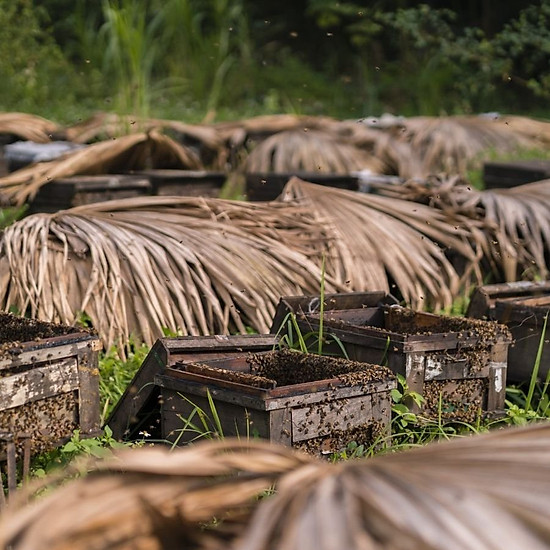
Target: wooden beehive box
(49, 381)
(189, 183)
(457, 364)
(73, 191)
(316, 403)
(304, 305)
(138, 410)
(522, 307)
(519, 172)
(268, 186)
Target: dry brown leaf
(133, 152)
(139, 266)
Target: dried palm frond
(485, 492)
(397, 156)
(376, 239)
(200, 497)
(134, 152)
(455, 144)
(28, 127)
(536, 131)
(310, 151)
(236, 132)
(110, 125)
(512, 226)
(138, 266)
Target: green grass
(116, 374)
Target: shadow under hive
(457, 365)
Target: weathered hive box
(65, 193)
(268, 186)
(458, 365)
(138, 410)
(309, 304)
(190, 183)
(510, 174)
(49, 382)
(316, 403)
(522, 307)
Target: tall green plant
(210, 38)
(130, 35)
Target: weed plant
(117, 373)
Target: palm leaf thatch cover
(377, 240)
(454, 144)
(397, 155)
(138, 266)
(109, 125)
(28, 127)
(486, 492)
(237, 132)
(379, 151)
(103, 126)
(310, 151)
(511, 226)
(133, 152)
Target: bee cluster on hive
(337, 441)
(289, 367)
(460, 400)
(46, 421)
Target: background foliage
(197, 59)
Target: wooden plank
(497, 175)
(236, 343)
(310, 304)
(267, 403)
(213, 378)
(280, 426)
(484, 298)
(39, 383)
(496, 393)
(381, 412)
(88, 393)
(185, 182)
(48, 350)
(190, 388)
(415, 374)
(268, 186)
(342, 392)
